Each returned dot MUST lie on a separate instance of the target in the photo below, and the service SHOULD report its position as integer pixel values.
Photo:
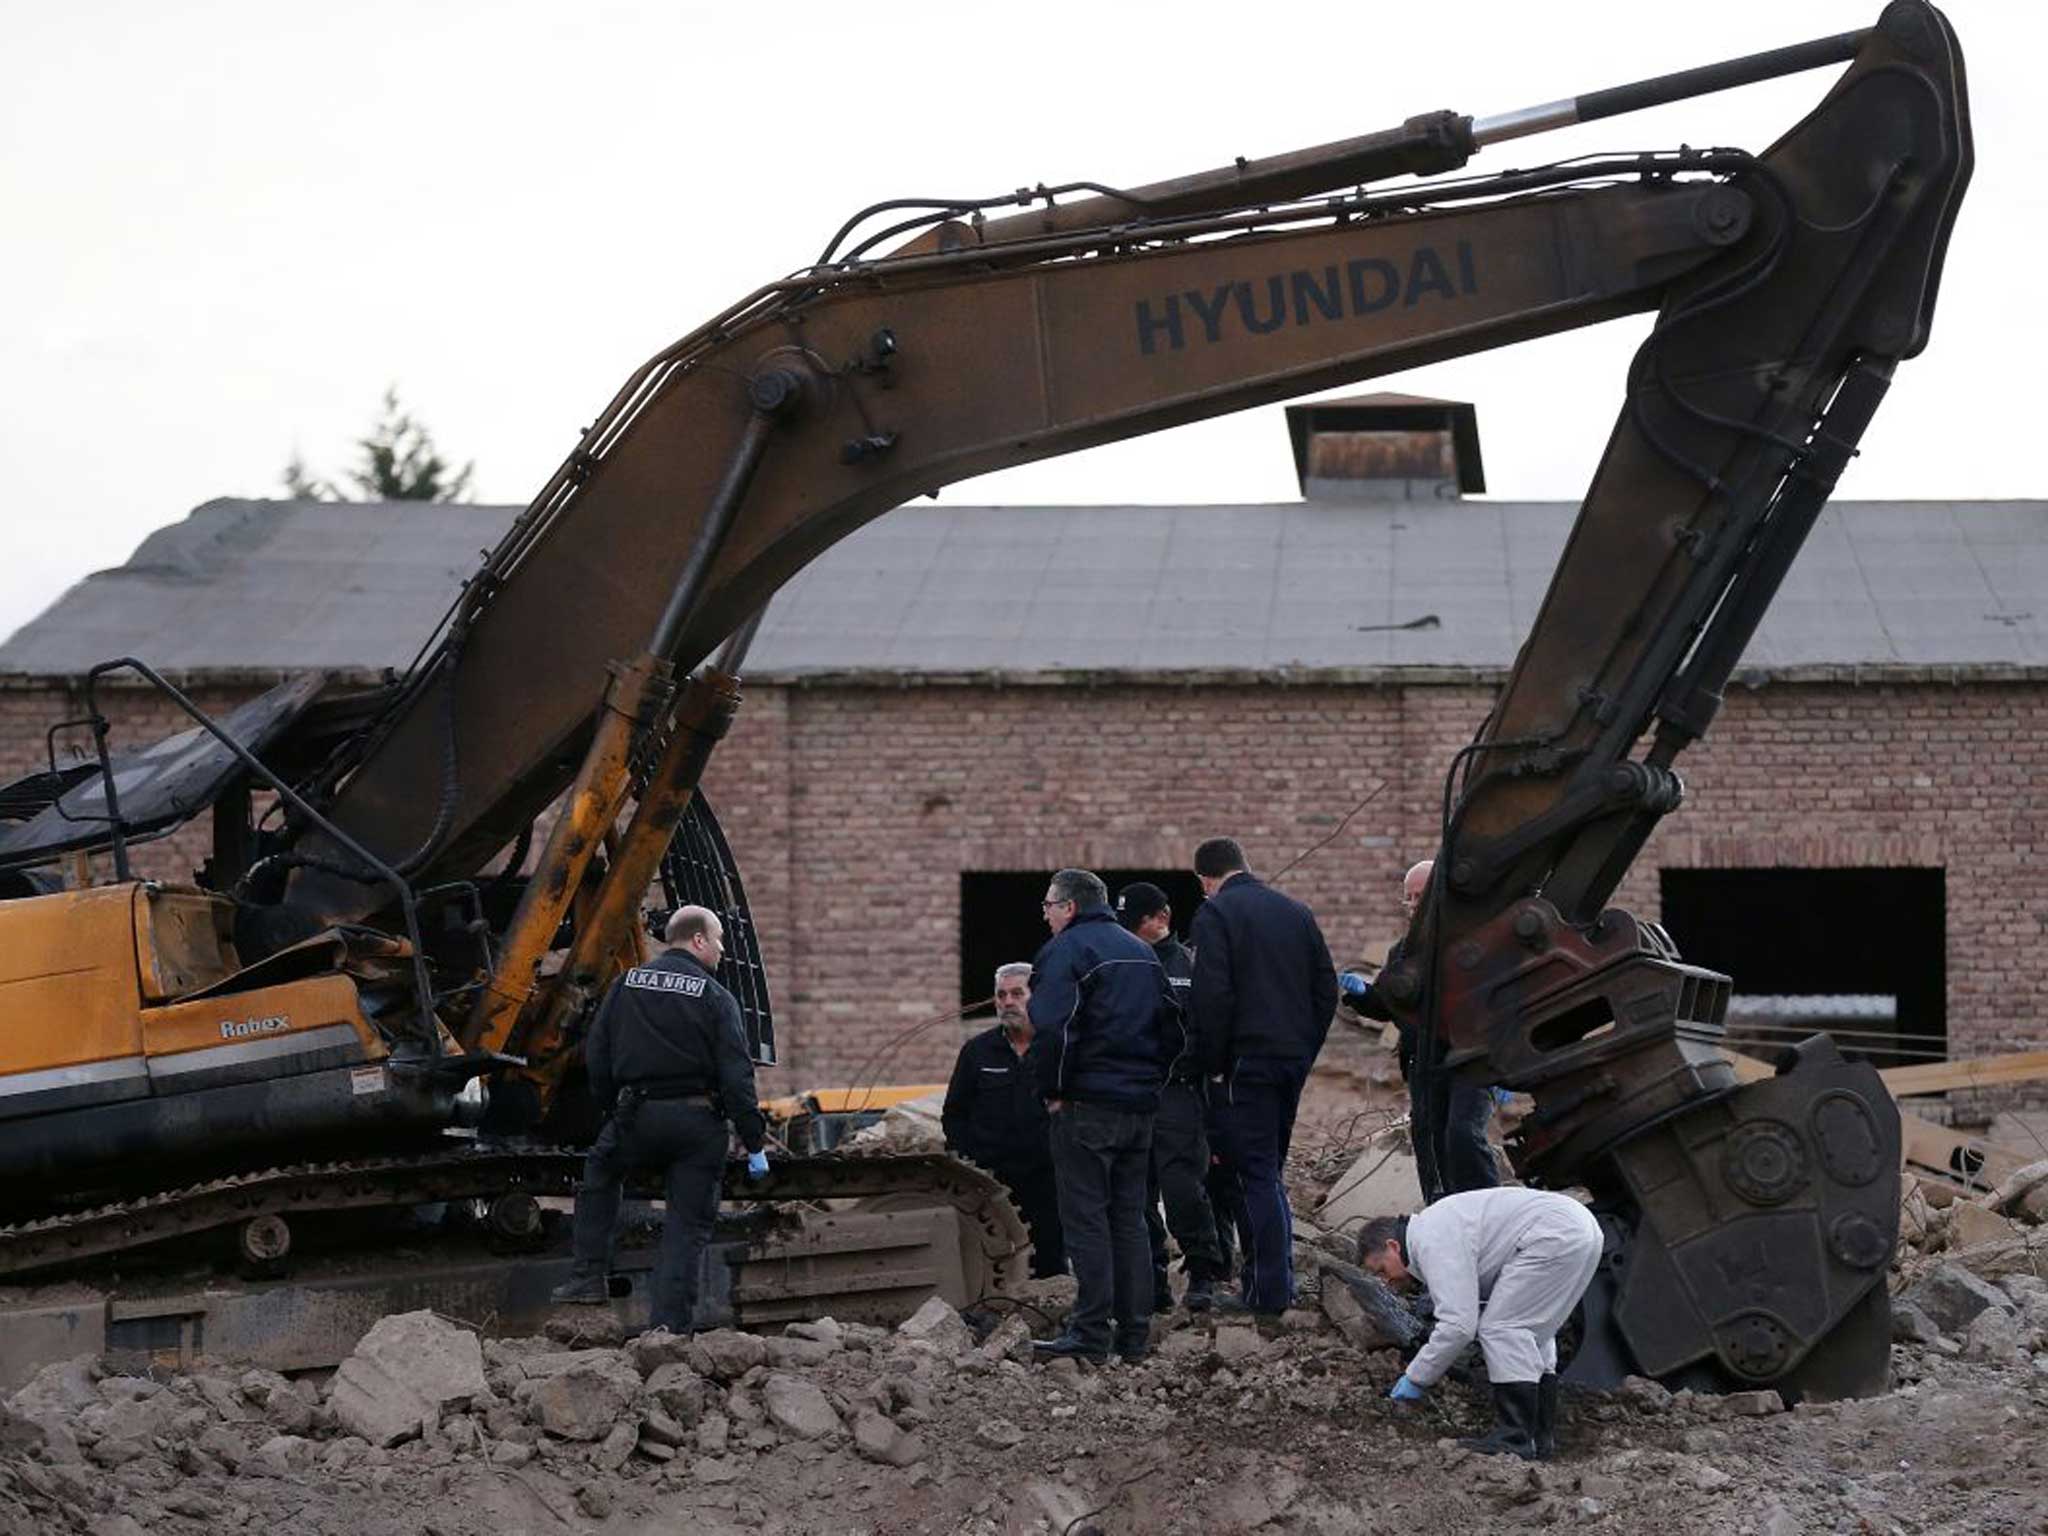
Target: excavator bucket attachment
(1767, 1220)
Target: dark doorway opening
(1000, 920)
(1860, 954)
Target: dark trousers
(1464, 1155)
(1222, 1187)
(1032, 1186)
(1180, 1171)
(689, 1140)
(1100, 1156)
(1255, 1123)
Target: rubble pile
(943, 1425)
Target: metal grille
(698, 870)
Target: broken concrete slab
(585, 1402)
(404, 1374)
(681, 1392)
(879, 1439)
(799, 1407)
(937, 1324)
(724, 1354)
(1235, 1344)
(1382, 1181)
(1951, 1297)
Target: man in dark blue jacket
(1264, 993)
(1099, 1001)
(669, 1067)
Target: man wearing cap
(1180, 1145)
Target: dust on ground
(944, 1426)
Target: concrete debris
(582, 1403)
(404, 1374)
(1237, 1344)
(937, 1324)
(912, 1126)
(681, 1392)
(999, 1434)
(726, 1354)
(1224, 1428)
(879, 1438)
(1383, 1181)
(799, 1407)
(1951, 1296)
(2023, 1192)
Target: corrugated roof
(1355, 589)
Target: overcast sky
(229, 224)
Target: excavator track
(994, 1239)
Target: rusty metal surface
(873, 1267)
(988, 1223)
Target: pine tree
(397, 463)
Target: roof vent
(1386, 448)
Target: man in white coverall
(1504, 1266)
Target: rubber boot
(1546, 1416)
(1514, 1423)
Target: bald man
(669, 1067)
(1462, 1110)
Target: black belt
(670, 1094)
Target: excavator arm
(1786, 286)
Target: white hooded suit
(1505, 1266)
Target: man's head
(1142, 907)
(1067, 893)
(697, 932)
(1414, 884)
(1216, 861)
(1013, 996)
(1383, 1249)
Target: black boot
(1069, 1346)
(1546, 1416)
(1514, 1422)
(582, 1291)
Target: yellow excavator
(375, 957)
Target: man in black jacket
(1460, 1111)
(994, 1117)
(1264, 993)
(669, 1066)
(1180, 1144)
(1098, 996)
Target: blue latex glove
(757, 1165)
(1405, 1391)
(1353, 985)
(1501, 1096)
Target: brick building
(957, 700)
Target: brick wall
(891, 793)
(854, 810)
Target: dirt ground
(932, 1429)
